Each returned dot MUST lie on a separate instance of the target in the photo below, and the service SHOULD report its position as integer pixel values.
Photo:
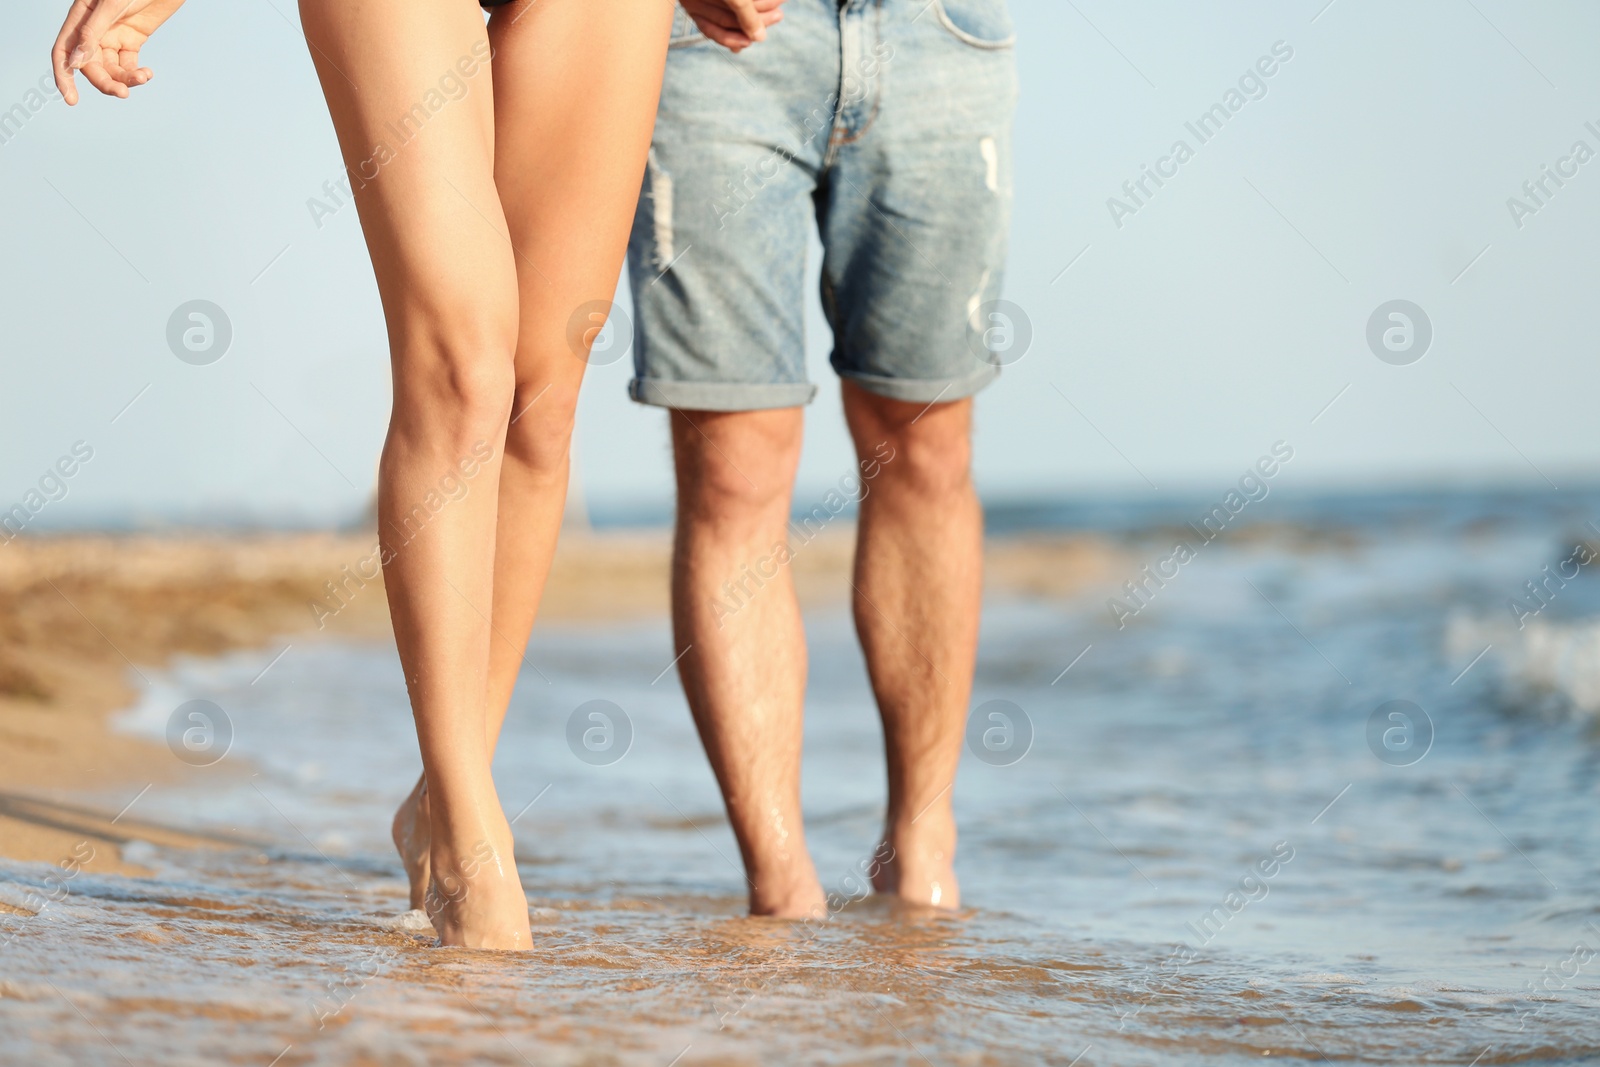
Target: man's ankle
(791, 893)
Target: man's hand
(734, 24)
(102, 38)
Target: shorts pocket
(684, 31)
(979, 23)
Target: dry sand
(79, 617)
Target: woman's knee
(542, 419)
(454, 371)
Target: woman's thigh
(576, 86)
(409, 85)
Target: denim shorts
(887, 124)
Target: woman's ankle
(475, 896)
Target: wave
(1545, 659)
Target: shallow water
(1426, 913)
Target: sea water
(1210, 841)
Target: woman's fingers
(722, 18)
(732, 40)
(707, 13)
(749, 18)
(103, 15)
(83, 45)
(714, 22)
(724, 26)
(66, 44)
(100, 76)
(724, 13)
(128, 71)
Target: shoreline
(82, 615)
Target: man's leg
(737, 627)
(918, 586)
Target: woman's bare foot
(474, 895)
(919, 859)
(412, 839)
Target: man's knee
(929, 465)
(736, 463)
(916, 448)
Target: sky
(1176, 337)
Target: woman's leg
(417, 134)
(575, 85)
(575, 97)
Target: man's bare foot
(474, 894)
(412, 839)
(795, 894)
(919, 863)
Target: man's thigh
(717, 254)
(916, 203)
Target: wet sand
(81, 619)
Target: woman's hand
(734, 24)
(102, 38)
